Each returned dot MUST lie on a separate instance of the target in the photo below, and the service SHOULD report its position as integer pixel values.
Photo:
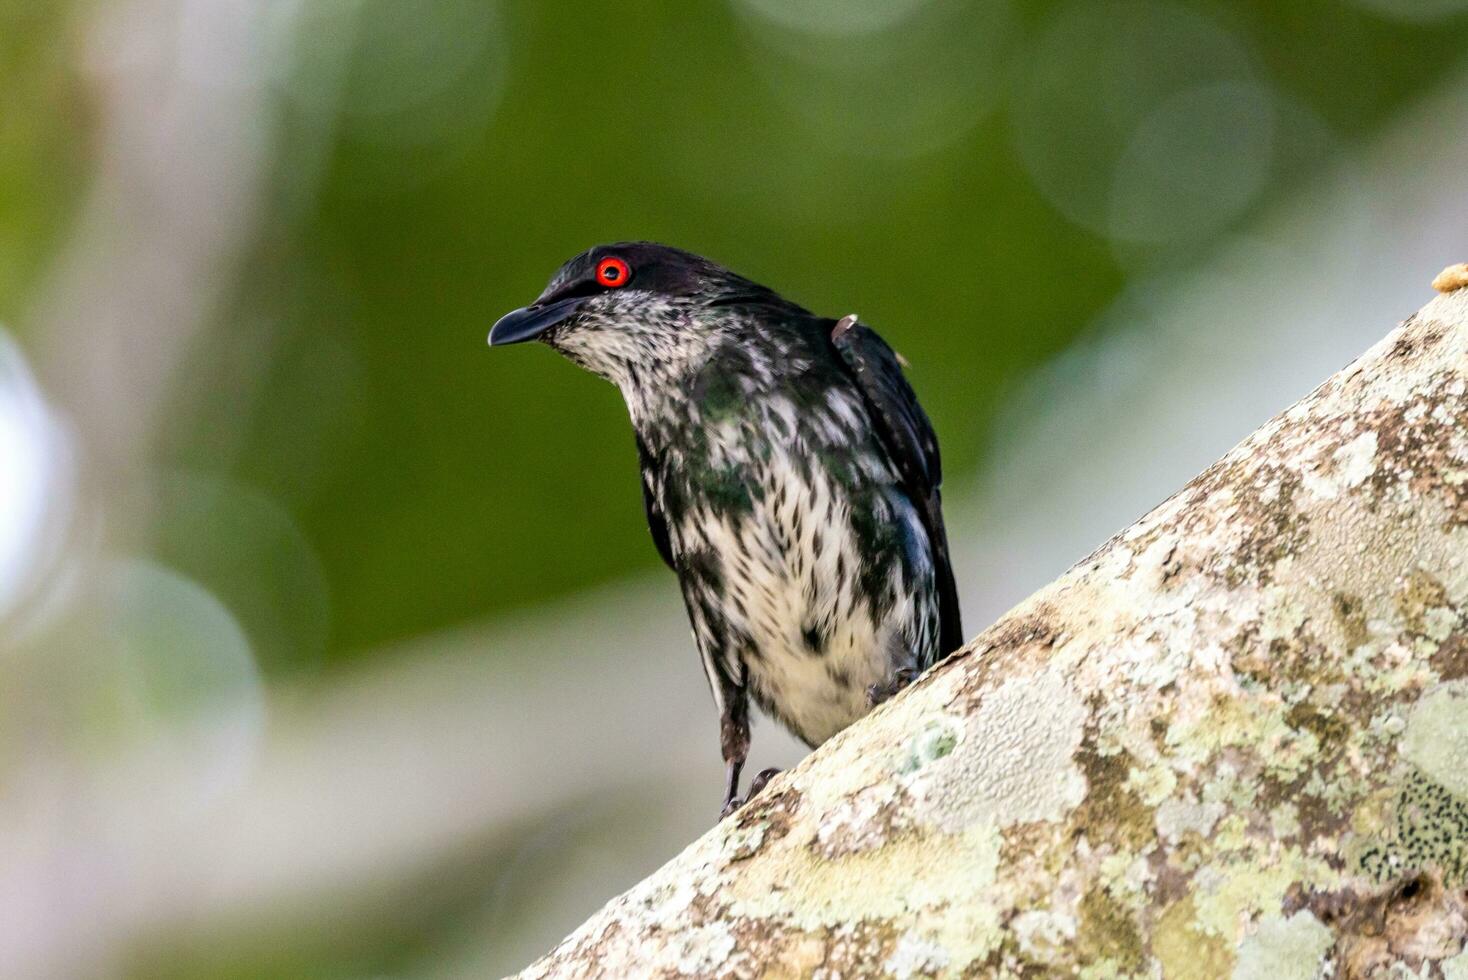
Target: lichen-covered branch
(1231, 742)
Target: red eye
(612, 272)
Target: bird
(790, 479)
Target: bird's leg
(901, 677)
(734, 743)
(732, 801)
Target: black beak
(530, 322)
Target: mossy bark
(1232, 741)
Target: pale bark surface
(1231, 742)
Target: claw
(901, 677)
(733, 803)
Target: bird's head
(633, 310)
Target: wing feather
(908, 438)
(656, 522)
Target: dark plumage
(790, 479)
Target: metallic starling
(790, 480)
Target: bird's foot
(761, 779)
(758, 783)
(901, 677)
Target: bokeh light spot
(148, 661)
(1415, 11)
(840, 83)
(391, 71)
(1193, 163)
(246, 548)
(835, 16)
(35, 482)
(1143, 121)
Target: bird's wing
(656, 522)
(908, 437)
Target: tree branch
(1234, 740)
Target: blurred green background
(431, 163)
(250, 252)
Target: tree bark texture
(1231, 742)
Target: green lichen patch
(1107, 932)
(1031, 845)
(1420, 597)
(1183, 951)
(1350, 615)
(1436, 738)
(936, 739)
(1017, 760)
(1426, 828)
(1010, 962)
(1331, 729)
(762, 821)
(1284, 949)
(1112, 811)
